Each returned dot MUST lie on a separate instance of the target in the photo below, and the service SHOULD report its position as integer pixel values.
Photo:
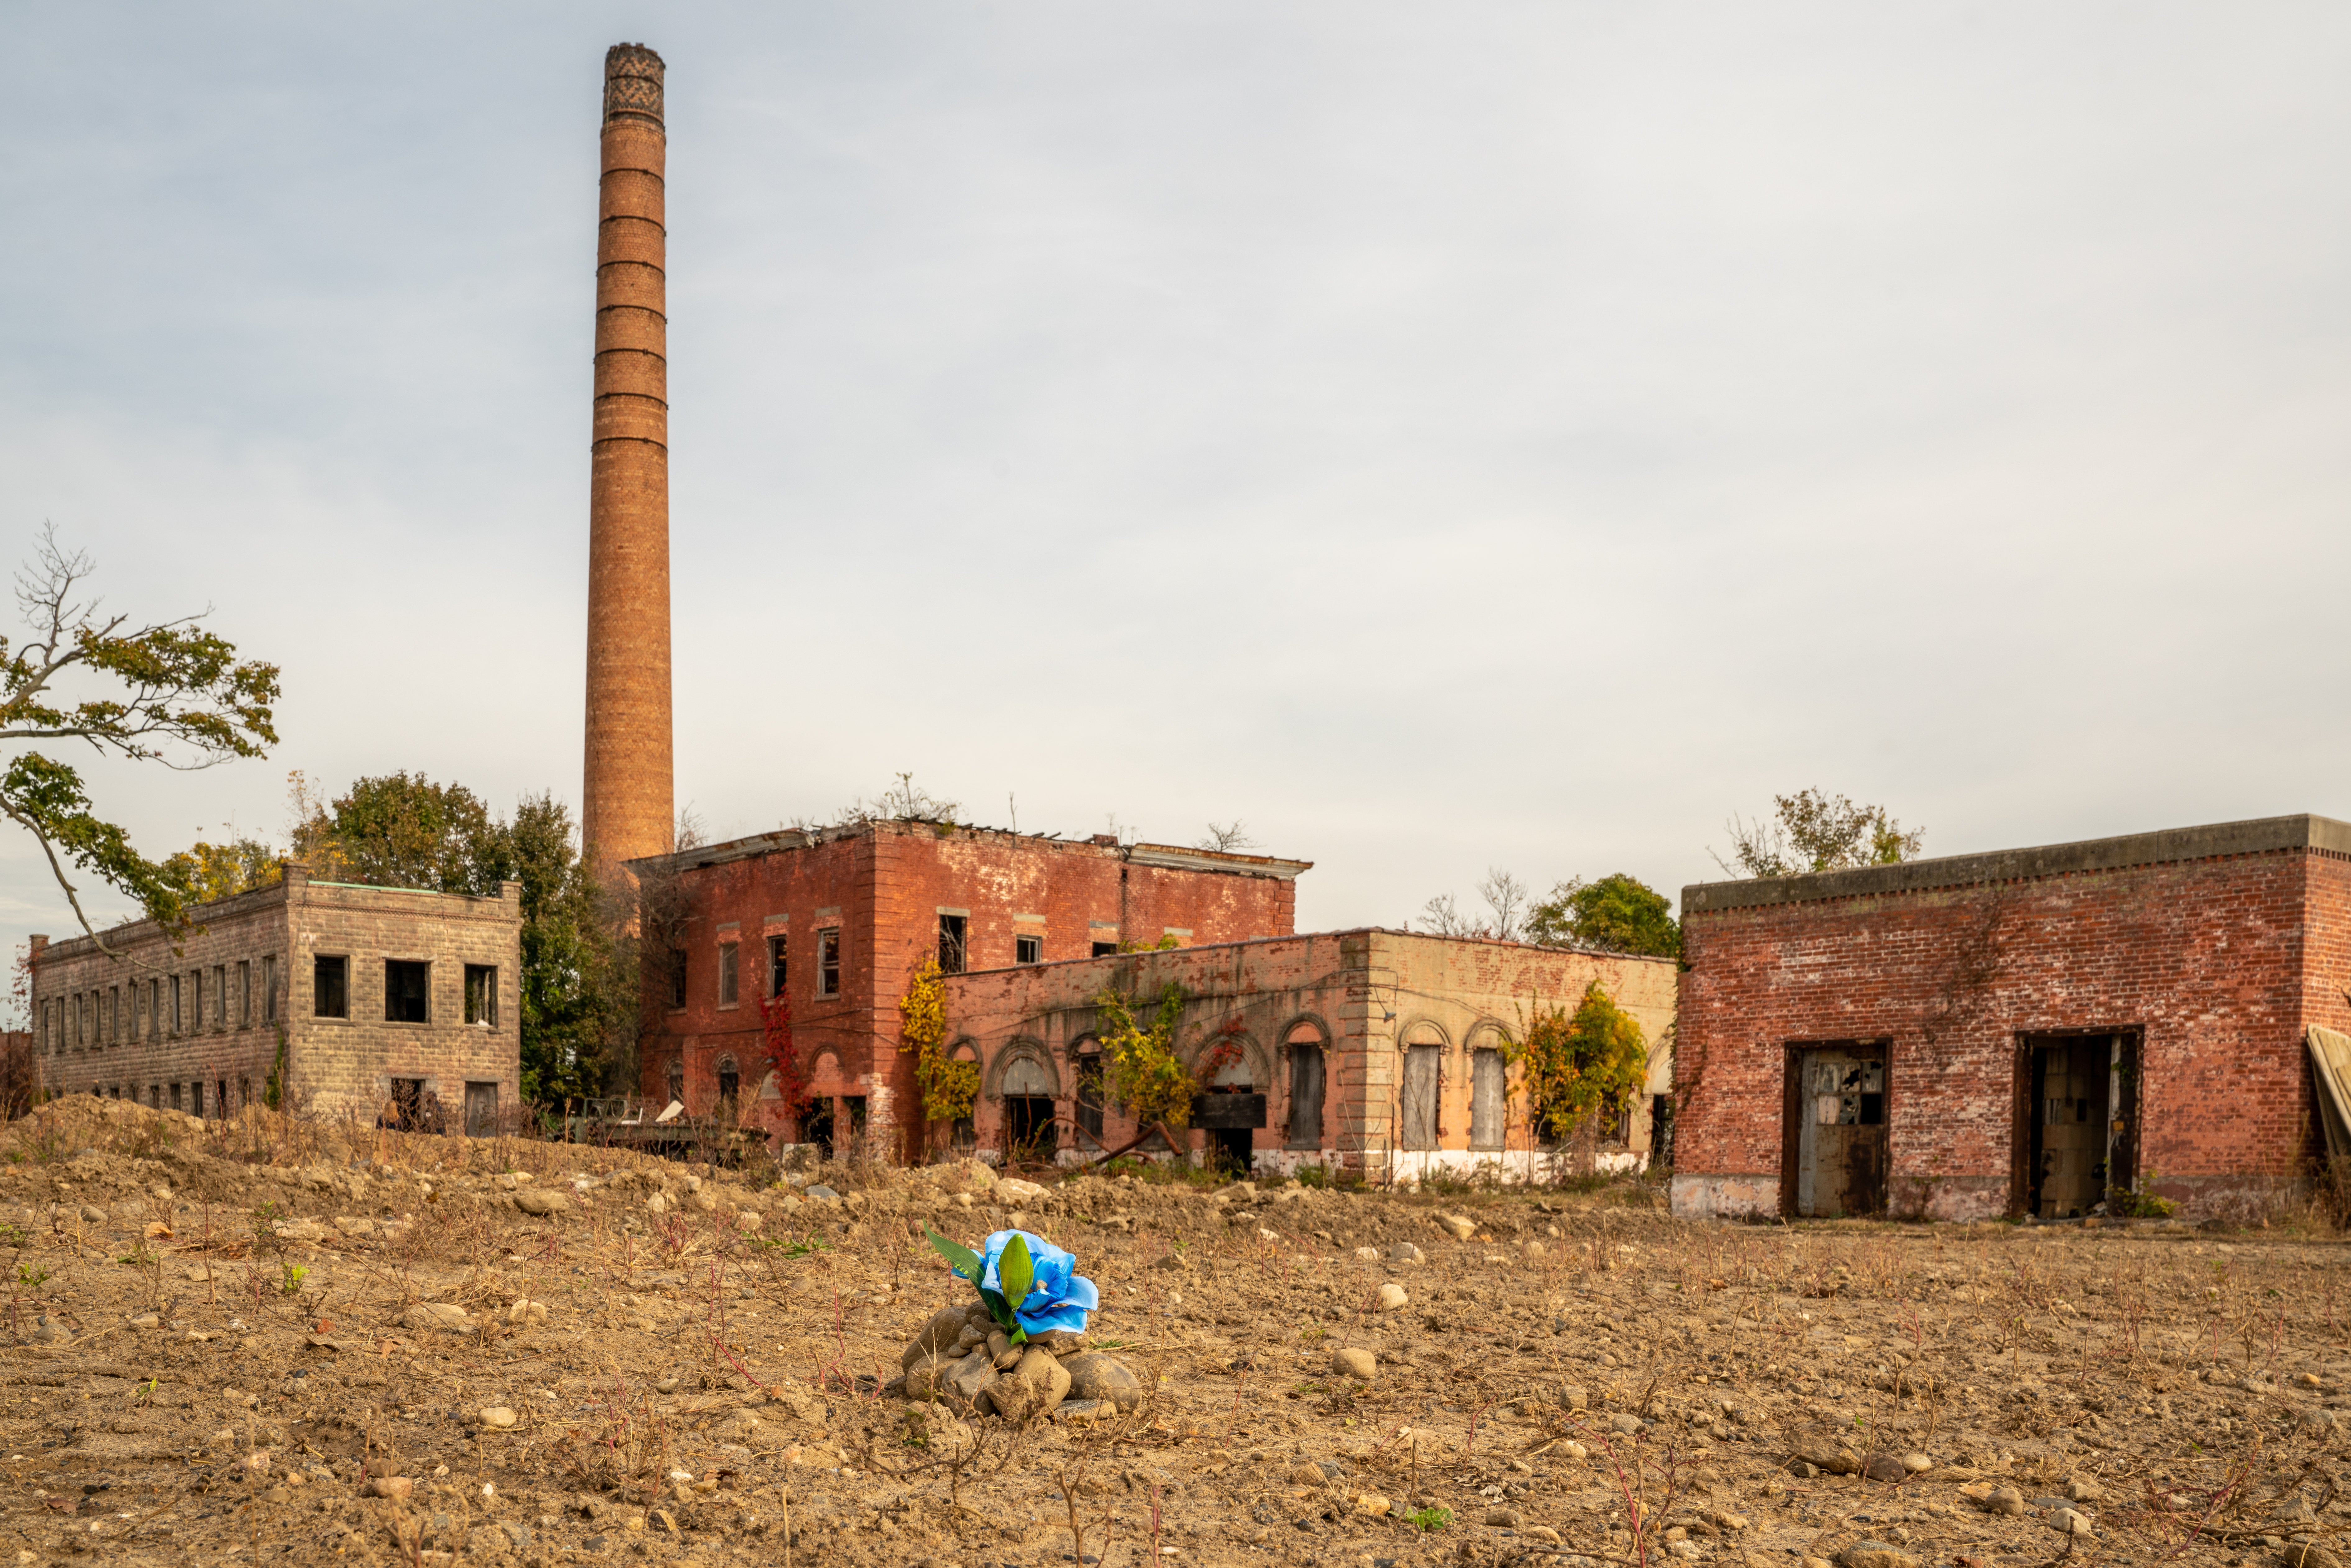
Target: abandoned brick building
(1379, 1052)
(837, 920)
(354, 998)
(2030, 1031)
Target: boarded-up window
(1489, 1099)
(1422, 1072)
(1306, 1072)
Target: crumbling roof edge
(2260, 835)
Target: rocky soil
(288, 1342)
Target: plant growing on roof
(1030, 1285)
(1577, 1063)
(1149, 1079)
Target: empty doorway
(1836, 1129)
(2079, 1116)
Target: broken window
(677, 980)
(1105, 949)
(1028, 949)
(330, 988)
(776, 965)
(1090, 1098)
(407, 990)
(482, 995)
(951, 943)
(727, 955)
(730, 1081)
(1306, 1078)
(828, 961)
(269, 989)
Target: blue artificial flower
(1059, 1297)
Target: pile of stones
(961, 1357)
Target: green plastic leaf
(961, 1258)
(1016, 1270)
(998, 1309)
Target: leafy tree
(223, 871)
(398, 830)
(1578, 1065)
(579, 982)
(170, 693)
(1617, 913)
(1145, 1073)
(1811, 831)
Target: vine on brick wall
(783, 1056)
(1149, 1079)
(1577, 1064)
(949, 1087)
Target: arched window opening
(1027, 1094)
(1306, 1078)
(1421, 1098)
(730, 1084)
(1091, 1095)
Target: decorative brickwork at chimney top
(627, 800)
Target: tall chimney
(627, 805)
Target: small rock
(2005, 1500)
(1571, 1396)
(969, 1377)
(1350, 1361)
(821, 1193)
(443, 1315)
(1542, 1533)
(2306, 1554)
(50, 1332)
(146, 1321)
(1883, 1467)
(1305, 1475)
(1071, 1411)
(1625, 1426)
(1916, 1464)
(1406, 1252)
(1459, 1226)
(2080, 1490)
(1572, 1450)
(1392, 1298)
(396, 1487)
(1502, 1517)
(93, 1215)
(542, 1201)
(2069, 1521)
(496, 1417)
(1035, 1383)
(1534, 1248)
(1367, 1254)
(1875, 1554)
(1097, 1375)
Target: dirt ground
(224, 1339)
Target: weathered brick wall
(332, 1066)
(884, 887)
(2204, 957)
(1359, 992)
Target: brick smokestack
(628, 803)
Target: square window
(330, 988)
(407, 991)
(481, 994)
(727, 955)
(828, 961)
(1028, 949)
(1105, 949)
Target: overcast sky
(1439, 436)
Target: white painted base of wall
(1511, 1167)
(1726, 1197)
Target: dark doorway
(816, 1126)
(1232, 1148)
(1305, 1095)
(2079, 1122)
(1834, 1141)
(407, 1103)
(1029, 1127)
(730, 1084)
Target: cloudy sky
(1438, 436)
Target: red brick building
(840, 918)
(2030, 1030)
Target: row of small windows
(199, 1098)
(954, 958)
(407, 990)
(161, 1005)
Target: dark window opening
(677, 1079)
(676, 981)
(481, 994)
(816, 1126)
(330, 990)
(176, 1089)
(951, 944)
(407, 1103)
(730, 1081)
(1028, 949)
(1661, 1130)
(1029, 1132)
(776, 966)
(728, 952)
(828, 962)
(407, 990)
(1105, 949)
(196, 1100)
(269, 989)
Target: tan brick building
(1377, 1051)
(359, 997)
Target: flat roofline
(1327, 937)
(2260, 835)
(1168, 856)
